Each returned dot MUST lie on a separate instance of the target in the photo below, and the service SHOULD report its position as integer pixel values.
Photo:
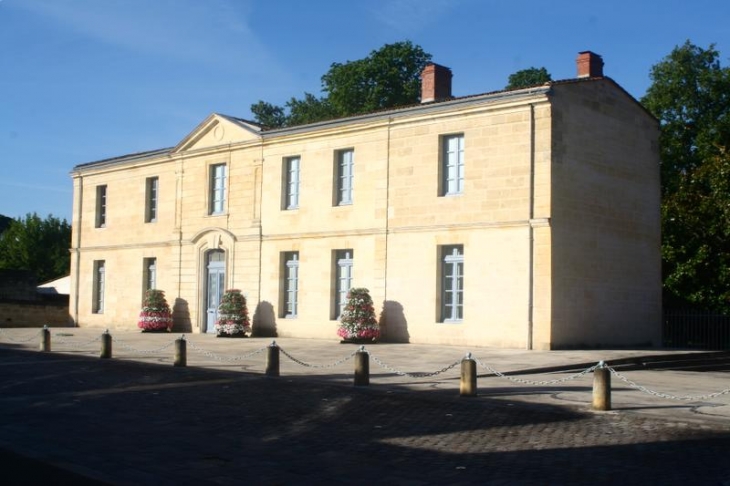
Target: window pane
(453, 164)
(218, 188)
(345, 170)
(292, 182)
(452, 270)
(291, 269)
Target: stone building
(526, 218)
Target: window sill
(452, 321)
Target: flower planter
(155, 315)
(233, 318)
(357, 323)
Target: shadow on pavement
(142, 423)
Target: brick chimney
(589, 64)
(435, 83)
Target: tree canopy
(386, 78)
(38, 245)
(690, 95)
(528, 77)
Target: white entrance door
(216, 285)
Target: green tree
(528, 77)
(38, 245)
(386, 78)
(690, 95)
(4, 223)
(268, 115)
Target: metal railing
(695, 329)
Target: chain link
(217, 357)
(414, 375)
(34, 336)
(538, 383)
(71, 344)
(141, 351)
(686, 398)
(220, 358)
(309, 365)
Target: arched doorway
(215, 277)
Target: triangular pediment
(218, 130)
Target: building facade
(525, 219)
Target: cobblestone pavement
(127, 422)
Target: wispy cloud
(411, 16)
(211, 31)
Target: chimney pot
(435, 83)
(589, 64)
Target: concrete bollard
(272, 360)
(106, 345)
(181, 352)
(468, 383)
(602, 387)
(362, 367)
(45, 339)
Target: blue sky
(83, 80)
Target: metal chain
(309, 365)
(220, 358)
(141, 351)
(415, 375)
(34, 336)
(539, 383)
(72, 344)
(686, 398)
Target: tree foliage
(528, 77)
(386, 78)
(4, 223)
(38, 245)
(690, 95)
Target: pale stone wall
(526, 174)
(34, 314)
(605, 219)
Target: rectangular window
(101, 206)
(452, 165)
(343, 280)
(290, 284)
(151, 188)
(344, 160)
(291, 183)
(97, 305)
(452, 283)
(149, 271)
(217, 189)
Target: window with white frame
(291, 182)
(344, 260)
(290, 287)
(101, 206)
(151, 193)
(97, 305)
(452, 283)
(452, 164)
(217, 189)
(150, 273)
(344, 161)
